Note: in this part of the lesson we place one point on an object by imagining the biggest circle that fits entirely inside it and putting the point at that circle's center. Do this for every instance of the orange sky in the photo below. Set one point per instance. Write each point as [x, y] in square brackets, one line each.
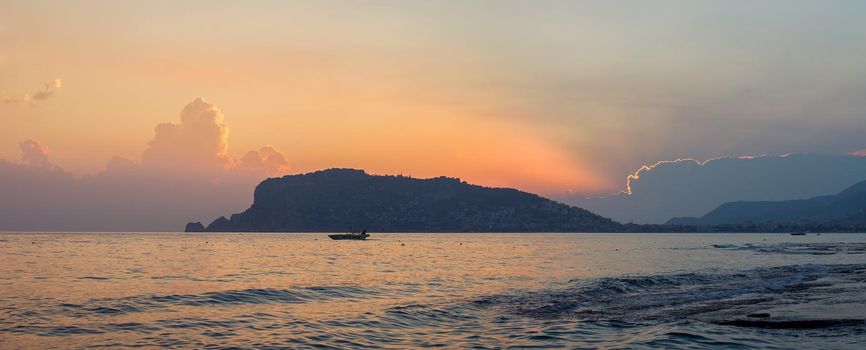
[565, 98]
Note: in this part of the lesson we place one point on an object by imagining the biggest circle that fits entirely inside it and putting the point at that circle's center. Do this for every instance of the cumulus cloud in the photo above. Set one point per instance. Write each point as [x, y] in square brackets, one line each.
[185, 174]
[198, 146]
[688, 187]
[199, 142]
[860, 153]
[34, 154]
[47, 91]
[266, 160]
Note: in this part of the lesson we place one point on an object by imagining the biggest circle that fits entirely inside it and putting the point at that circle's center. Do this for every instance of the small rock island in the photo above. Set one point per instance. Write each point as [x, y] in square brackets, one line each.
[337, 200]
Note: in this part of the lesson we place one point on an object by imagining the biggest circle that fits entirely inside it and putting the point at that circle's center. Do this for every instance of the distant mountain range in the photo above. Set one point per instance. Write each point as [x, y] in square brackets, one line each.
[338, 200]
[691, 188]
[845, 208]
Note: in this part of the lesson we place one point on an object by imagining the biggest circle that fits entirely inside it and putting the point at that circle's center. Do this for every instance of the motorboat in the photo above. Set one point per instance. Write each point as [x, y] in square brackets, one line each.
[360, 236]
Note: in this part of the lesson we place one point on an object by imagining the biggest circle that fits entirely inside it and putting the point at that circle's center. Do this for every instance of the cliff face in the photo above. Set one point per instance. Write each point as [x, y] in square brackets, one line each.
[347, 199]
[194, 227]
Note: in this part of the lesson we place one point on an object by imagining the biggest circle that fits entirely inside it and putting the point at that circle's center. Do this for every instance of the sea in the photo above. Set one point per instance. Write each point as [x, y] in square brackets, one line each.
[434, 290]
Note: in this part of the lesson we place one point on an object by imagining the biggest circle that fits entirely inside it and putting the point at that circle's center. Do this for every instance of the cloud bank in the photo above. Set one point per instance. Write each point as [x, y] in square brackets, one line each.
[29, 99]
[688, 187]
[184, 173]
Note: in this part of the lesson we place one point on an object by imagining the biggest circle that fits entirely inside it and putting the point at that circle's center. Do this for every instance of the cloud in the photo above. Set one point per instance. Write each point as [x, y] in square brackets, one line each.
[688, 187]
[860, 153]
[185, 173]
[266, 160]
[47, 91]
[198, 147]
[34, 154]
[199, 143]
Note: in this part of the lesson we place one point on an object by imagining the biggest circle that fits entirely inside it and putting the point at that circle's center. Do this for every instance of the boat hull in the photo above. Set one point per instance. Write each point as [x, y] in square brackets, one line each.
[355, 237]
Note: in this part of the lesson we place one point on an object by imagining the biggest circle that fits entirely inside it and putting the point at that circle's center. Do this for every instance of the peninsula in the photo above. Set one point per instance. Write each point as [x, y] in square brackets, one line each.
[337, 200]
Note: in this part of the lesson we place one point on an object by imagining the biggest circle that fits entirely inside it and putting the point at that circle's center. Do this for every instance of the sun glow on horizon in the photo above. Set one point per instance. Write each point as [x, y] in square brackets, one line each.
[564, 99]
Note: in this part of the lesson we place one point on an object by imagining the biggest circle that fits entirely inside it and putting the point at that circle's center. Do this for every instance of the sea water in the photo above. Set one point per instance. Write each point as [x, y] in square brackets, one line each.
[252, 290]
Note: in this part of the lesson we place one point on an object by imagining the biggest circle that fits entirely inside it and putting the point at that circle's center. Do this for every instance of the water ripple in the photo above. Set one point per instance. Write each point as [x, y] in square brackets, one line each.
[792, 294]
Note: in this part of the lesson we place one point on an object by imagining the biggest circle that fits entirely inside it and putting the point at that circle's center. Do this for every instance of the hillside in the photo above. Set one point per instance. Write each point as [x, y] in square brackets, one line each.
[846, 207]
[693, 188]
[347, 199]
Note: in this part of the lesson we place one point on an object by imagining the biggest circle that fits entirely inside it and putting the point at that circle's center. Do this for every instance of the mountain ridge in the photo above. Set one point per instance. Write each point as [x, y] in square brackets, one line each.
[692, 188]
[350, 199]
[845, 207]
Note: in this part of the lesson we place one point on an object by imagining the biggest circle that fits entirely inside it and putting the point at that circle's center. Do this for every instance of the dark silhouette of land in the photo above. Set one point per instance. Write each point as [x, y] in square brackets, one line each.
[340, 200]
[845, 209]
[348, 199]
[690, 188]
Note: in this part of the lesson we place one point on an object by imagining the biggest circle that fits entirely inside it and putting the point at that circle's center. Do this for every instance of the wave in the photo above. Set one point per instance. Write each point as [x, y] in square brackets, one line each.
[794, 324]
[725, 298]
[798, 248]
[710, 308]
[115, 306]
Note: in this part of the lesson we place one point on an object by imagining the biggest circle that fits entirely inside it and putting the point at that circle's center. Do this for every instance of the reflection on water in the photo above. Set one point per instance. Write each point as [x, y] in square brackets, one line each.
[450, 290]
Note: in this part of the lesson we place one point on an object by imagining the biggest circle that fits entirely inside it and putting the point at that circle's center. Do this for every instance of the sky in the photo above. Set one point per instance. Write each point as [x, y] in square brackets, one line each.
[562, 98]
[692, 188]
